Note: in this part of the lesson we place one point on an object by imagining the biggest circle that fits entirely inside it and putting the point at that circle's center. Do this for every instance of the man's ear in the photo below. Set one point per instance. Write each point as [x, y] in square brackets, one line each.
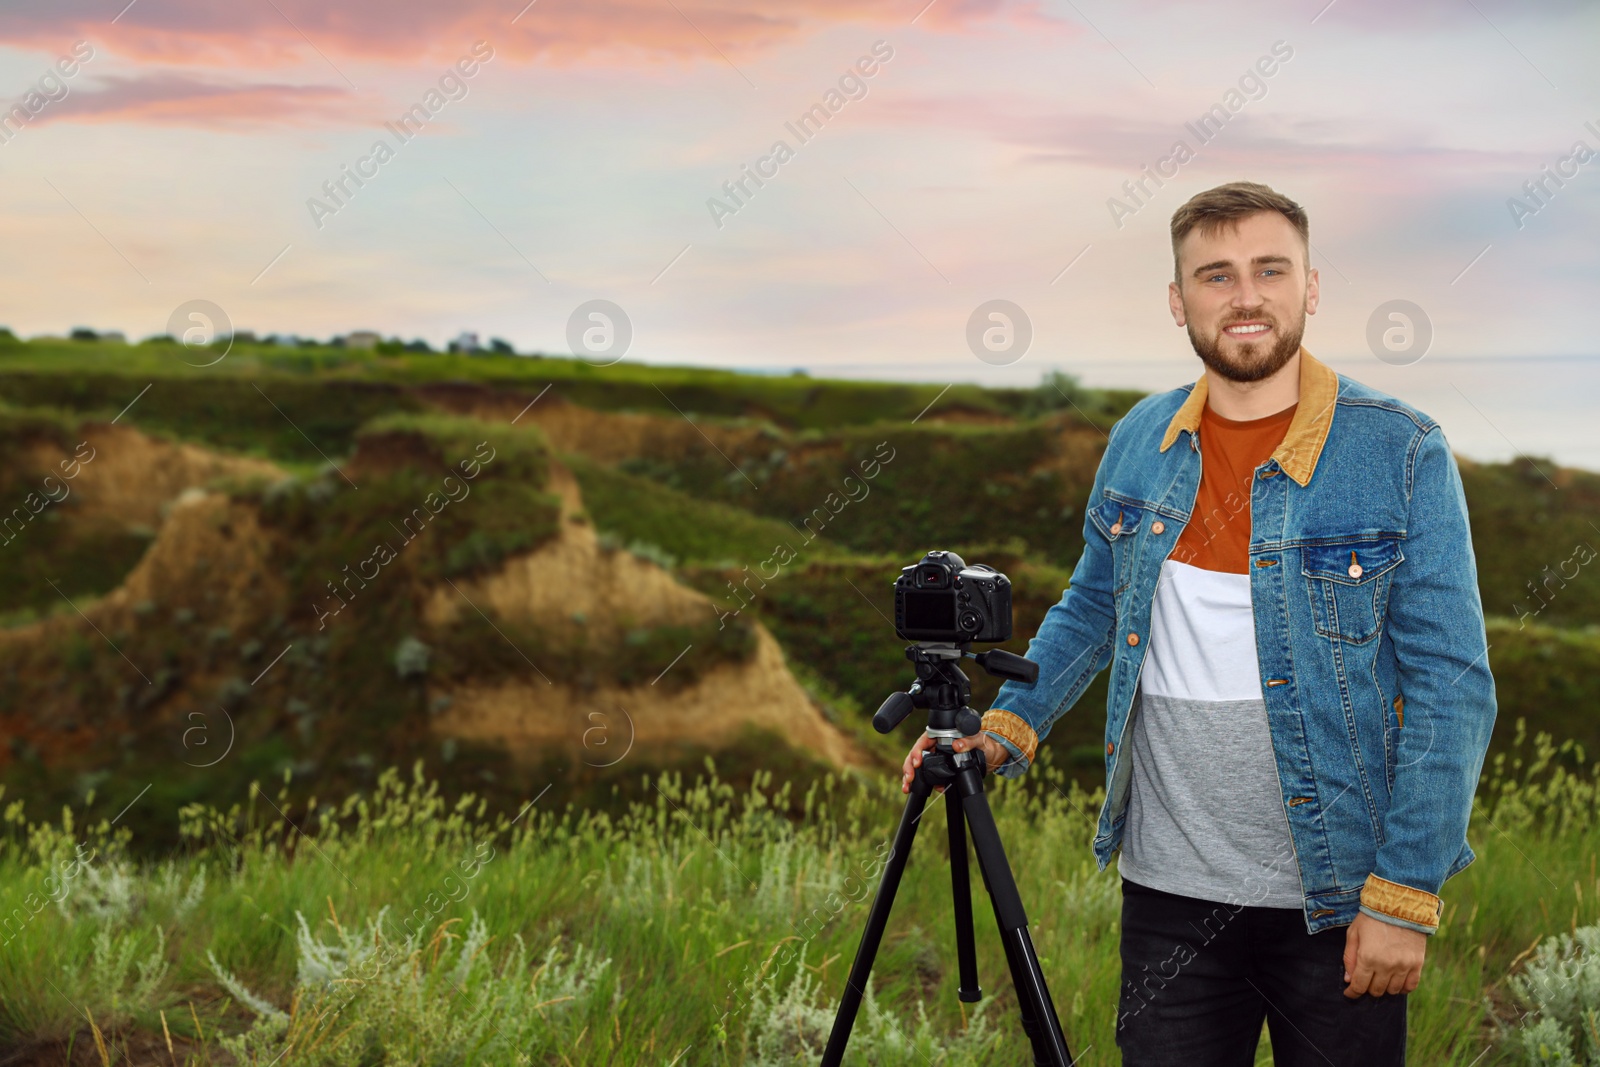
[1313, 291]
[1175, 304]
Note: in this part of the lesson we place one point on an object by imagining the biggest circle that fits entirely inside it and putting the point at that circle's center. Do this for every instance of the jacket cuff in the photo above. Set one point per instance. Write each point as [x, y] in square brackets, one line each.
[1402, 905]
[1015, 763]
[1012, 728]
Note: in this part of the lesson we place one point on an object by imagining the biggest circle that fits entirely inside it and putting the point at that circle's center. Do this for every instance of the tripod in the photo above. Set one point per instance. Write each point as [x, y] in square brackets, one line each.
[942, 688]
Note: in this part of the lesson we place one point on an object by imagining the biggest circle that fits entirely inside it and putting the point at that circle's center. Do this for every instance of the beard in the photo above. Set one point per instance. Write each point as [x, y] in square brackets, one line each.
[1254, 361]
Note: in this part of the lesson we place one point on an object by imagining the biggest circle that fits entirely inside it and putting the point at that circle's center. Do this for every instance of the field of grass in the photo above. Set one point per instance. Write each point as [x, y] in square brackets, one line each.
[703, 926]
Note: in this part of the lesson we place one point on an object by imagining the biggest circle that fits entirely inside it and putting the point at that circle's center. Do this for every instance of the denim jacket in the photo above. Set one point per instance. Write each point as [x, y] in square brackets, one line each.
[1369, 635]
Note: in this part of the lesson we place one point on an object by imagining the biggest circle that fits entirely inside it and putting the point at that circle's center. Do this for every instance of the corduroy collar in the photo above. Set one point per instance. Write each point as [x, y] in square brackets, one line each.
[1308, 430]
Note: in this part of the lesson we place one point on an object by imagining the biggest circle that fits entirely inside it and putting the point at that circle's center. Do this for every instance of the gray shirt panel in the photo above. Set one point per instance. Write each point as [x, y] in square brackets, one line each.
[1205, 810]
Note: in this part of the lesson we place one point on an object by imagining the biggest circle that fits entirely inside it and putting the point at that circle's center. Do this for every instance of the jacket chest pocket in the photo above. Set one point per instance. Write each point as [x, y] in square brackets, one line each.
[1118, 523]
[1348, 582]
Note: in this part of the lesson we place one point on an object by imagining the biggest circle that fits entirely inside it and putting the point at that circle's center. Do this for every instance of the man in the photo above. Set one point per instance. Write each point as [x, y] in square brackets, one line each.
[1278, 570]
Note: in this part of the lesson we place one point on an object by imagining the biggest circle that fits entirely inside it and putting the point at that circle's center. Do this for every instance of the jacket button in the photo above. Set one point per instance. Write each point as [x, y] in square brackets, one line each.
[1109, 747]
[1157, 527]
[1355, 570]
[1133, 639]
[1116, 528]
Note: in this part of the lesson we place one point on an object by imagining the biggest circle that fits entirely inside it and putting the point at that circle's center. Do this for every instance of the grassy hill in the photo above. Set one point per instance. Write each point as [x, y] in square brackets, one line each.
[705, 473]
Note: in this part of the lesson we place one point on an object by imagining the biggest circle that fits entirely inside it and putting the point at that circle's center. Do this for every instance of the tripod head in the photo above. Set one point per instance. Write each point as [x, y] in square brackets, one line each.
[943, 689]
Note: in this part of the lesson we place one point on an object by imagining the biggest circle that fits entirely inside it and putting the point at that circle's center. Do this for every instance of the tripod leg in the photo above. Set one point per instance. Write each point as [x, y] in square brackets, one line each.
[877, 919]
[1013, 919]
[961, 894]
[1031, 1027]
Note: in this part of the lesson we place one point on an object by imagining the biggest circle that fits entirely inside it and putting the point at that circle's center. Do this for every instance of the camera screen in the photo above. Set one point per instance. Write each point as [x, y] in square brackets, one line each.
[930, 611]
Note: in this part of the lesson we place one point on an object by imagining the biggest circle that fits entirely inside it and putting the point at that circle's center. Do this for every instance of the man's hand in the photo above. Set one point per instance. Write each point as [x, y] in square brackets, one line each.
[993, 751]
[1381, 957]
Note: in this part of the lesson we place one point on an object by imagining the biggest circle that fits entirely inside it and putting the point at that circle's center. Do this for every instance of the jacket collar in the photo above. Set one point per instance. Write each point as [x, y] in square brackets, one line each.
[1308, 429]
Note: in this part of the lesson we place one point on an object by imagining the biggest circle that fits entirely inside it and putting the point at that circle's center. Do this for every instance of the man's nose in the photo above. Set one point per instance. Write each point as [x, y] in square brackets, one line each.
[1246, 296]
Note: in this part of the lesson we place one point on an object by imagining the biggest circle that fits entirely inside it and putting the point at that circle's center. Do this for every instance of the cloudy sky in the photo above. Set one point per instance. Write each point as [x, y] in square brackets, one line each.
[585, 157]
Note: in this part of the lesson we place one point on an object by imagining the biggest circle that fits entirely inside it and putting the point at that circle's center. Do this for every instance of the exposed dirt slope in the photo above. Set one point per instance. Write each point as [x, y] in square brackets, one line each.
[609, 436]
[211, 555]
[132, 475]
[613, 589]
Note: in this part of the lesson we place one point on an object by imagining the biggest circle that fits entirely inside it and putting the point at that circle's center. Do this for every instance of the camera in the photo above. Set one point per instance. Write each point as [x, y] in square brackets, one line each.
[942, 598]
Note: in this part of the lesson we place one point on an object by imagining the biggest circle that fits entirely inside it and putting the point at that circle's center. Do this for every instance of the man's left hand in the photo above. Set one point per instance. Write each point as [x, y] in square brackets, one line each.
[1381, 957]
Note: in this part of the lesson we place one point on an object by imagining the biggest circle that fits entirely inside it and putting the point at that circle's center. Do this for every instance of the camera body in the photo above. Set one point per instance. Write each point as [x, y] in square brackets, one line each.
[942, 598]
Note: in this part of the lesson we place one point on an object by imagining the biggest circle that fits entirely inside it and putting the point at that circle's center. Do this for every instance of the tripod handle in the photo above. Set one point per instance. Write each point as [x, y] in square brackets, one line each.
[1003, 664]
[892, 712]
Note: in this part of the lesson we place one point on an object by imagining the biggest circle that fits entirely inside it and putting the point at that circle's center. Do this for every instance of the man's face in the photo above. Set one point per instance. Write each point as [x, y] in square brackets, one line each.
[1245, 295]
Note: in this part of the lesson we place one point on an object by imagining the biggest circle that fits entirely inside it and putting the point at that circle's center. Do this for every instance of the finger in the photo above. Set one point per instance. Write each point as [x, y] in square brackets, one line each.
[1360, 981]
[1397, 982]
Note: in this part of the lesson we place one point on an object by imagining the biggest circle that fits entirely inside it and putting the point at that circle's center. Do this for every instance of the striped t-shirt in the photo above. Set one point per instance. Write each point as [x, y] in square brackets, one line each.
[1205, 812]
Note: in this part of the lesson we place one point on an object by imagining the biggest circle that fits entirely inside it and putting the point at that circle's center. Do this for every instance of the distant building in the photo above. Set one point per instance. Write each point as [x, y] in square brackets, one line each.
[361, 339]
[466, 341]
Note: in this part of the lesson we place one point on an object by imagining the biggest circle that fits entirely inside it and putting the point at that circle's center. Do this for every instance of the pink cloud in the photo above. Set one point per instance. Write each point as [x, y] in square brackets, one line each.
[169, 98]
[1124, 144]
[277, 32]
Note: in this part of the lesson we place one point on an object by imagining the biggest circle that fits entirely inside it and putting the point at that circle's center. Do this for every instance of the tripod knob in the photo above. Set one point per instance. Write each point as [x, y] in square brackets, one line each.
[968, 722]
[892, 712]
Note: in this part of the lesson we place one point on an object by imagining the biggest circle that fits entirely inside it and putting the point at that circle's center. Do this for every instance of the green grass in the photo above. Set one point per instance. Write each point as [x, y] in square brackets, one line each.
[702, 917]
[793, 401]
[641, 511]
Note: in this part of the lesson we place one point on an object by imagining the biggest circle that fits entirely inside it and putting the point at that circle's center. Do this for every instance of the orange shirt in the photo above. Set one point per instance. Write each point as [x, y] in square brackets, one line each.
[1218, 535]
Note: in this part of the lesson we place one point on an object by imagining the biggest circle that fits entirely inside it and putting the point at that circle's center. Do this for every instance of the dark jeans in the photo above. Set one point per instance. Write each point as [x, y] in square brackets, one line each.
[1198, 978]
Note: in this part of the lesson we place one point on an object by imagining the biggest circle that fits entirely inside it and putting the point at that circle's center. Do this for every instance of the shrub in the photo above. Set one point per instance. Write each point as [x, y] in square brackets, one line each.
[1561, 989]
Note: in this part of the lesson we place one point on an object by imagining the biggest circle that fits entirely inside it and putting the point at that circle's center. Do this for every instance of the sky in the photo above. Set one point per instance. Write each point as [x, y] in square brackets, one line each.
[565, 151]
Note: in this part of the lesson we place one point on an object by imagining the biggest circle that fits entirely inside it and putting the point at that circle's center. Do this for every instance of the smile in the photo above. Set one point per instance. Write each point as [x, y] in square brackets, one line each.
[1246, 329]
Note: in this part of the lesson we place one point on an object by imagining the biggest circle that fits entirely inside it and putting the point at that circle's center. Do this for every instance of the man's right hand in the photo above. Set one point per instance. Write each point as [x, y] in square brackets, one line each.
[993, 751]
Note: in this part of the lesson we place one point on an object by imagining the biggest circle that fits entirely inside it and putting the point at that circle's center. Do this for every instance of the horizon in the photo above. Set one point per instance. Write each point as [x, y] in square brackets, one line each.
[1553, 424]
